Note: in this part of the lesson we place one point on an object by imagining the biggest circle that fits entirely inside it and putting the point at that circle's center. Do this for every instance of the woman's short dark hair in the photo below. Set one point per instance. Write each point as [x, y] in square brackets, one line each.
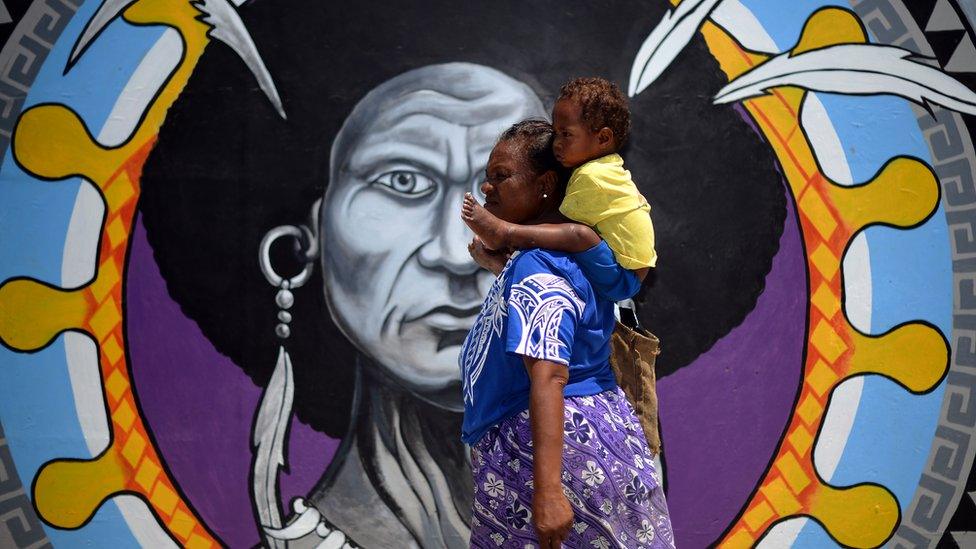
[534, 138]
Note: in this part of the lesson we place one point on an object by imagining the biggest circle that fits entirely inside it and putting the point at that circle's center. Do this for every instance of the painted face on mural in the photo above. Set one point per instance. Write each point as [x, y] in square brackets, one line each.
[398, 278]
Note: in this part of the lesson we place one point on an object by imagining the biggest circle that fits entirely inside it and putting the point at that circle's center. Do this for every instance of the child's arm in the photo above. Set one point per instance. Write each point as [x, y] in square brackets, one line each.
[499, 235]
[608, 278]
[565, 237]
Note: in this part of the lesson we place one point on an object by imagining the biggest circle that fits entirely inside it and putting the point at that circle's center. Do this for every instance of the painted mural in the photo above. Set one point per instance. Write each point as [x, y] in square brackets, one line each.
[234, 281]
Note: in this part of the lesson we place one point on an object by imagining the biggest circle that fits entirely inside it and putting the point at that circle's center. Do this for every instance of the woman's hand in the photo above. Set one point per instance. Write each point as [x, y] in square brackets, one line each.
[552, 517]
[489, 259]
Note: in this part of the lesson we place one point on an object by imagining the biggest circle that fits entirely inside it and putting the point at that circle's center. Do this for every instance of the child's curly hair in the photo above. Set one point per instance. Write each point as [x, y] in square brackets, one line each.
[602, 104]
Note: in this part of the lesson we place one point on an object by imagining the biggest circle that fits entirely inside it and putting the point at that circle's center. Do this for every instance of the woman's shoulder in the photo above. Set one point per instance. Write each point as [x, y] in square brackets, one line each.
[526, 263]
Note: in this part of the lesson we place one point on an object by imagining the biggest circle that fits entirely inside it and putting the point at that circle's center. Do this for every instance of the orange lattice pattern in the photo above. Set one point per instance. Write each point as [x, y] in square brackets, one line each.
[914, 355]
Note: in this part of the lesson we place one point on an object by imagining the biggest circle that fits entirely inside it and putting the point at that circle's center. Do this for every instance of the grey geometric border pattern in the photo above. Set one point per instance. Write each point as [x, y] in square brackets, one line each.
[950, 458]
[19, 526]
[24, 54]
[20, 60]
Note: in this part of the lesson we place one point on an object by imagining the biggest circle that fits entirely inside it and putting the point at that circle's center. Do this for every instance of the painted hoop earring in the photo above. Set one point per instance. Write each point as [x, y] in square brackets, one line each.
[270, 431]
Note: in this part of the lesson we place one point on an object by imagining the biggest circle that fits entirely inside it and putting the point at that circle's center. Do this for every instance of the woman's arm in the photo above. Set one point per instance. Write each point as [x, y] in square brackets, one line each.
[551, 513]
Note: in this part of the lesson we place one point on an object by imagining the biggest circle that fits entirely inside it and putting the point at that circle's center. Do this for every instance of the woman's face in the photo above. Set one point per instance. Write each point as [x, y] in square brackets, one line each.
[512, 191]
[398, 277]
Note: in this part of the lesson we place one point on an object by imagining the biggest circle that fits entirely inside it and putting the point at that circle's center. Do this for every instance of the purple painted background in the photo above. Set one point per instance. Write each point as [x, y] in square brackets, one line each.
[200, 407]
[722, 416]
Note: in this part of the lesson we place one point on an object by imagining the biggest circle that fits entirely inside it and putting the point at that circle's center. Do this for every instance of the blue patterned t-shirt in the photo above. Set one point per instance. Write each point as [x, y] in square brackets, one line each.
[541, 306]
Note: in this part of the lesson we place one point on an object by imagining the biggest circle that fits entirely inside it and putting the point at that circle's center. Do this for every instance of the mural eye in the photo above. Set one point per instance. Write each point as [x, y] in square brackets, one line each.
[407, 183]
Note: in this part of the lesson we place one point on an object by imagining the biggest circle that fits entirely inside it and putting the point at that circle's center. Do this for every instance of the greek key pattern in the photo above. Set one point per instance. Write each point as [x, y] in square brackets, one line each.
[20, 60]
[23, 55]
[950, 458]
[19, 526]
[889, 22]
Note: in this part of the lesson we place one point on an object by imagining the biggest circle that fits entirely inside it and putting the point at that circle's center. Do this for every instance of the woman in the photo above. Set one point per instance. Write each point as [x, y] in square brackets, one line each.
[557, 453]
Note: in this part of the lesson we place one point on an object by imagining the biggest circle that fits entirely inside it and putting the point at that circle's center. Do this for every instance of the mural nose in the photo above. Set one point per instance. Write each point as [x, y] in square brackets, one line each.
[448, 249]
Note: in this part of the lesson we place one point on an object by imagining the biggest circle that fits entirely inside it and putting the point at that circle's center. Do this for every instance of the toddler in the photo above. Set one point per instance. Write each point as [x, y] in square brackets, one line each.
[591, 123]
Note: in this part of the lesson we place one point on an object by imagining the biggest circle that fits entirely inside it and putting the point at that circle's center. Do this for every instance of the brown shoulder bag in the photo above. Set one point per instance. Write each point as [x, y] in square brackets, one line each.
[633, 353]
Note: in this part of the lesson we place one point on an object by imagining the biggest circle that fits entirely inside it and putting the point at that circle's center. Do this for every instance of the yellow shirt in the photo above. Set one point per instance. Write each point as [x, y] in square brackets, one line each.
[601, 194]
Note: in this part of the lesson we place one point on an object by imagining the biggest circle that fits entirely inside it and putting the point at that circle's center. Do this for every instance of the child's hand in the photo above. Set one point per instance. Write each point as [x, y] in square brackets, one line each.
[488, 259]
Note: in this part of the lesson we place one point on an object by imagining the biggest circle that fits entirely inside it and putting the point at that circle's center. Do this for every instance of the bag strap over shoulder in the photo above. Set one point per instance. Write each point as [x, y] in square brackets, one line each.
[628, 314]
[637, 334]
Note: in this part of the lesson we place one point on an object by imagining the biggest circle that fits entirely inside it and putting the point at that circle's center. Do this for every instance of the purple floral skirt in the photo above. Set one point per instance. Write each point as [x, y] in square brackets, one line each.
[608, 476]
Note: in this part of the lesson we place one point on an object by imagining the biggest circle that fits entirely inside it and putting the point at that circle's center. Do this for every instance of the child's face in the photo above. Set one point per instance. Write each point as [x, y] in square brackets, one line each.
[575, 143]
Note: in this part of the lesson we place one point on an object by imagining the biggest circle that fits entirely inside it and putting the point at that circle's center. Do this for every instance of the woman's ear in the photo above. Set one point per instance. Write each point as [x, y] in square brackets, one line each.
[548, 181]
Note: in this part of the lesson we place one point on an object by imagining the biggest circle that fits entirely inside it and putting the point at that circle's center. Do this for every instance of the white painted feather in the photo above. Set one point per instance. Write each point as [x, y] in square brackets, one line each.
[666, 41]
[307, 521]
[105, 14]
[226, 26]
[855, 69]
[229, 29]
[270, 427]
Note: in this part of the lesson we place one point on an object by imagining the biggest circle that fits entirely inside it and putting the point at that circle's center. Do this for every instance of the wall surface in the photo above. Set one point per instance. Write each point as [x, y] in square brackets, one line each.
[234, 281]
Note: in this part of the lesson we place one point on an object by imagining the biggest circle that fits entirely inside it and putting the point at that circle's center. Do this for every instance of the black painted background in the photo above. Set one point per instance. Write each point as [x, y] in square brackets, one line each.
[227, 169]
